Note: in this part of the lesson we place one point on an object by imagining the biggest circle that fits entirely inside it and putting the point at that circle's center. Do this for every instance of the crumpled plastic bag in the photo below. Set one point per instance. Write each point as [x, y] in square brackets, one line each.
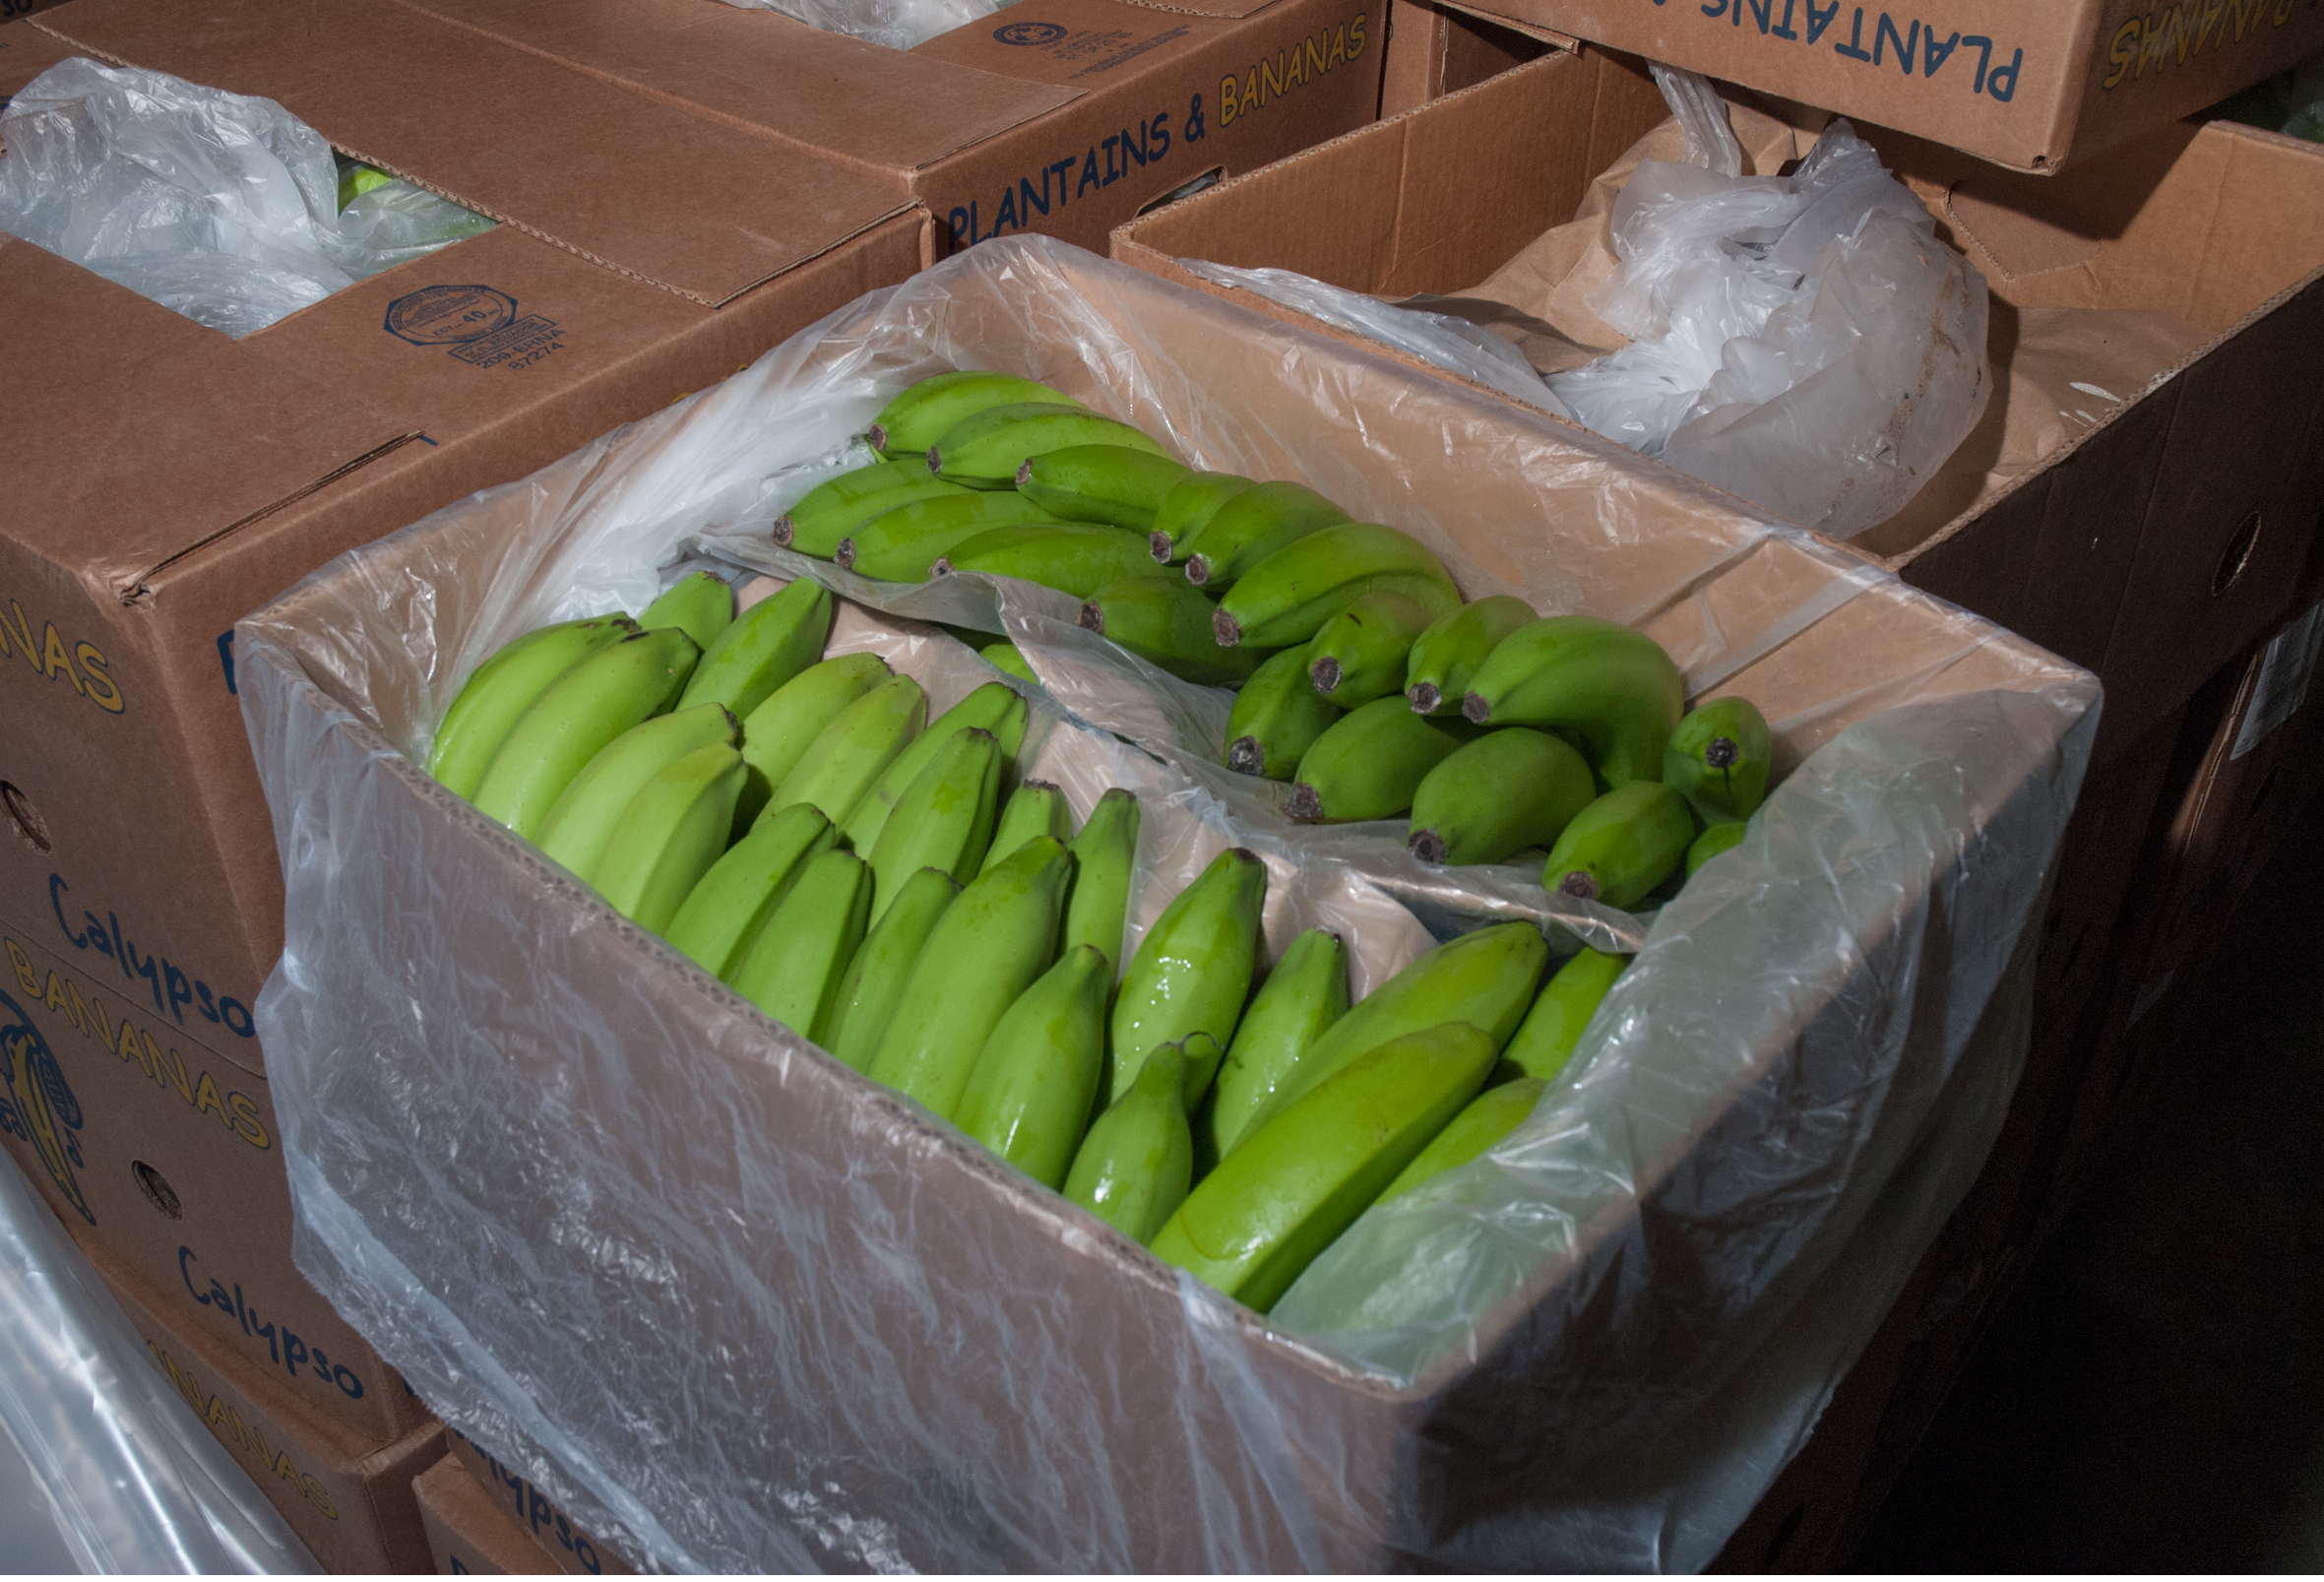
[898, 23]
[222, 207]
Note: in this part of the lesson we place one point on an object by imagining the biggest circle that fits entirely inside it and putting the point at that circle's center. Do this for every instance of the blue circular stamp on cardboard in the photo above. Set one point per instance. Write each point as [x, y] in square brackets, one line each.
[447, 315]
[1029, 33]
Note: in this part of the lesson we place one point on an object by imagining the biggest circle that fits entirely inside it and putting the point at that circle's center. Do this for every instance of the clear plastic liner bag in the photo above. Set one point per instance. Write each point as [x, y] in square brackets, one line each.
[735, 1308]
[898, 23]
[222, 207]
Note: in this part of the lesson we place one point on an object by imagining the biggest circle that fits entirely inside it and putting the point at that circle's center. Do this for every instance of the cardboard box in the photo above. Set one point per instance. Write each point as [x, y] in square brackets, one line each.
[1062, 117]
[468, 1534]
[2152, 545]
[518, 1502]
[348, 1498]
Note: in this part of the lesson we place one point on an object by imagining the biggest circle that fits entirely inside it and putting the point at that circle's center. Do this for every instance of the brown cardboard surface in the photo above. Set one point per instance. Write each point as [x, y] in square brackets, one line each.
[466, 1530]
[348, 1499]
[518, 1501]
[26, 53]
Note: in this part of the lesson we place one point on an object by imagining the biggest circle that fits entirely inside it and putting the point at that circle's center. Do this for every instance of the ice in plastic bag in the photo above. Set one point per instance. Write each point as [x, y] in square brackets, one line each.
[898, 23]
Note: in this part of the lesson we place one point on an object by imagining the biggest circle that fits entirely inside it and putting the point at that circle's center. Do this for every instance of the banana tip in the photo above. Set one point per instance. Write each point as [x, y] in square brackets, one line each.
[935, 460]
[1476, 710]
[783, 533]
[1091, 618]
[1158, 544]
[1225, 628]
[845, 554]
[1024, 472]
[1198, 570]
[1325, 674]
[939, 567]
[1427, 845]
[876, 437]
[1245, 756]
[1579, 884]
[1305, 802]
[1425, 698]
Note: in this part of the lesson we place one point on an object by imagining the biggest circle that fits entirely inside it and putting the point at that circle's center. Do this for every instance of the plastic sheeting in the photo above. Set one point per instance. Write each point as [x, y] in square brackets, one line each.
[737, 1308]
[898, 23]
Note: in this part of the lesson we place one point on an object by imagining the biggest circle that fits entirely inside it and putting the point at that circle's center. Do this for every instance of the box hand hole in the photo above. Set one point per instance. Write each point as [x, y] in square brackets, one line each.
[24, 817]
[157, 1188]
[2236, 556]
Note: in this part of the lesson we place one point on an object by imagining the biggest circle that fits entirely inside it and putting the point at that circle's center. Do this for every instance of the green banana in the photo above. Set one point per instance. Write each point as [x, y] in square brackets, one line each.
[1105, 856]
[986, 949]
[1371, 761]
[1502, 792]
[900, 546]
[1485, 977]
[1447, 654]
[1718, 757]
[620, 685]
[780, 730]
[793, 970]
[1248, 527]
[1067, 555]
[1360, 654]
[995, 706]
[1544, 1040]
[984, 450]
[1190, 503]
[1301, 1177]
[504, 687]
[841, 763]
[1712, 840]
[917, 419]
[1109, 484]
[669, 835]
[722, 915]
[1167, 622]
[1302, 997]
[1005, 658]
[1613, 685]
[830, 512]
[1489, 1116]
[1275, 718]
[1037, 807]
[699, 603]
[774, 642]
[885, 959]
[1029, 1097]
[944, 819]
[1623, 844]
[580, 823]
[1134, 1167]
[1287, 596]
[1192, 971]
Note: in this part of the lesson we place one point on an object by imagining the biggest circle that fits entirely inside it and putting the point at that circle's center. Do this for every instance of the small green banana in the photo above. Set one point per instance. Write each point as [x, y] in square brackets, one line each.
[1037, 807]
[504, 686]
[1623, 844]
[1248, 527]
[1361, 653]
[995, 706]
[1167, 622]
[581, 821]
[1371, 761]
[1275, 718]
[917, 419]
[1718, 757]
[1069, 556]
[1303, 1176]
[1104, 856]
[1544, 1040]
[1287, 596]
[780, 730]
[1302, 997]
[901, 545]
[845, 760]
[669, 835]
[1489, 1116]
[1109, 484]
[833, 510]
[722, 915]
[984, 450]
[700, 604]
[1613, 685]
[1005, 658]
[884, 960]
[622, 685]
[1447, 654]
[1192, 971]
[1134, 1167]
[944, 819]
[1502, 792]
[793, 970]
[1712, 840]
[1029, 1097]
[769, 645]
[986, 949]
[1190, 503]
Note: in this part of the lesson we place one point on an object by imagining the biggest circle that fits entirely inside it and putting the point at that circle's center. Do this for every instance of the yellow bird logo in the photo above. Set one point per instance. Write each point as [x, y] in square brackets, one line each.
[37, 1105]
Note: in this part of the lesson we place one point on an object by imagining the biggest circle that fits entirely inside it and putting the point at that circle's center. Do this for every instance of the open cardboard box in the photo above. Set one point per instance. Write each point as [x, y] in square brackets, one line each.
[2163, 533]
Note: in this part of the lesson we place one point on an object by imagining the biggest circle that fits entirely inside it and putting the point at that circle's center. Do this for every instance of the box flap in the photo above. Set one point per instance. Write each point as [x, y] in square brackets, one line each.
[1080, 44]
[615, 177]
[24, 53]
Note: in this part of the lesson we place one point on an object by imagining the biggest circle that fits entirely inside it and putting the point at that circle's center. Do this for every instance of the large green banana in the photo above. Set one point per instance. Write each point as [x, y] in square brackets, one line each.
[1718, 757]
[1287, 596]
[918, 418]
[1167, 622]
[1504, 791]
[699, 603]
[1105, 856]
[835, 508]
[1716, 838]
[995, 706]
[944, 819]
[778, 639]
[1304, 1175]
[1275, 718]
[1109, 484]
[986, 949]
[1544, 1040]
[842, 764]
[621, 684]
[1192, 971]
[1613, 685]
[722, 915]
[1360, 654]
[1005, 658]
[1623, 844]
[504, 686]
[1190, 503]
[1447, 654]
[793, 970]
[984, 450]
[1134, 1167]
[1485, 977]
[1029, 1097]
[1489, 1116]
[902, 545]
[1302, 997]
[777, 732]
[1248, 527]
[669, 835]
[1037, 807]
[884, 960]
[1069, 556]
[581, 822]
[1371, 761]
